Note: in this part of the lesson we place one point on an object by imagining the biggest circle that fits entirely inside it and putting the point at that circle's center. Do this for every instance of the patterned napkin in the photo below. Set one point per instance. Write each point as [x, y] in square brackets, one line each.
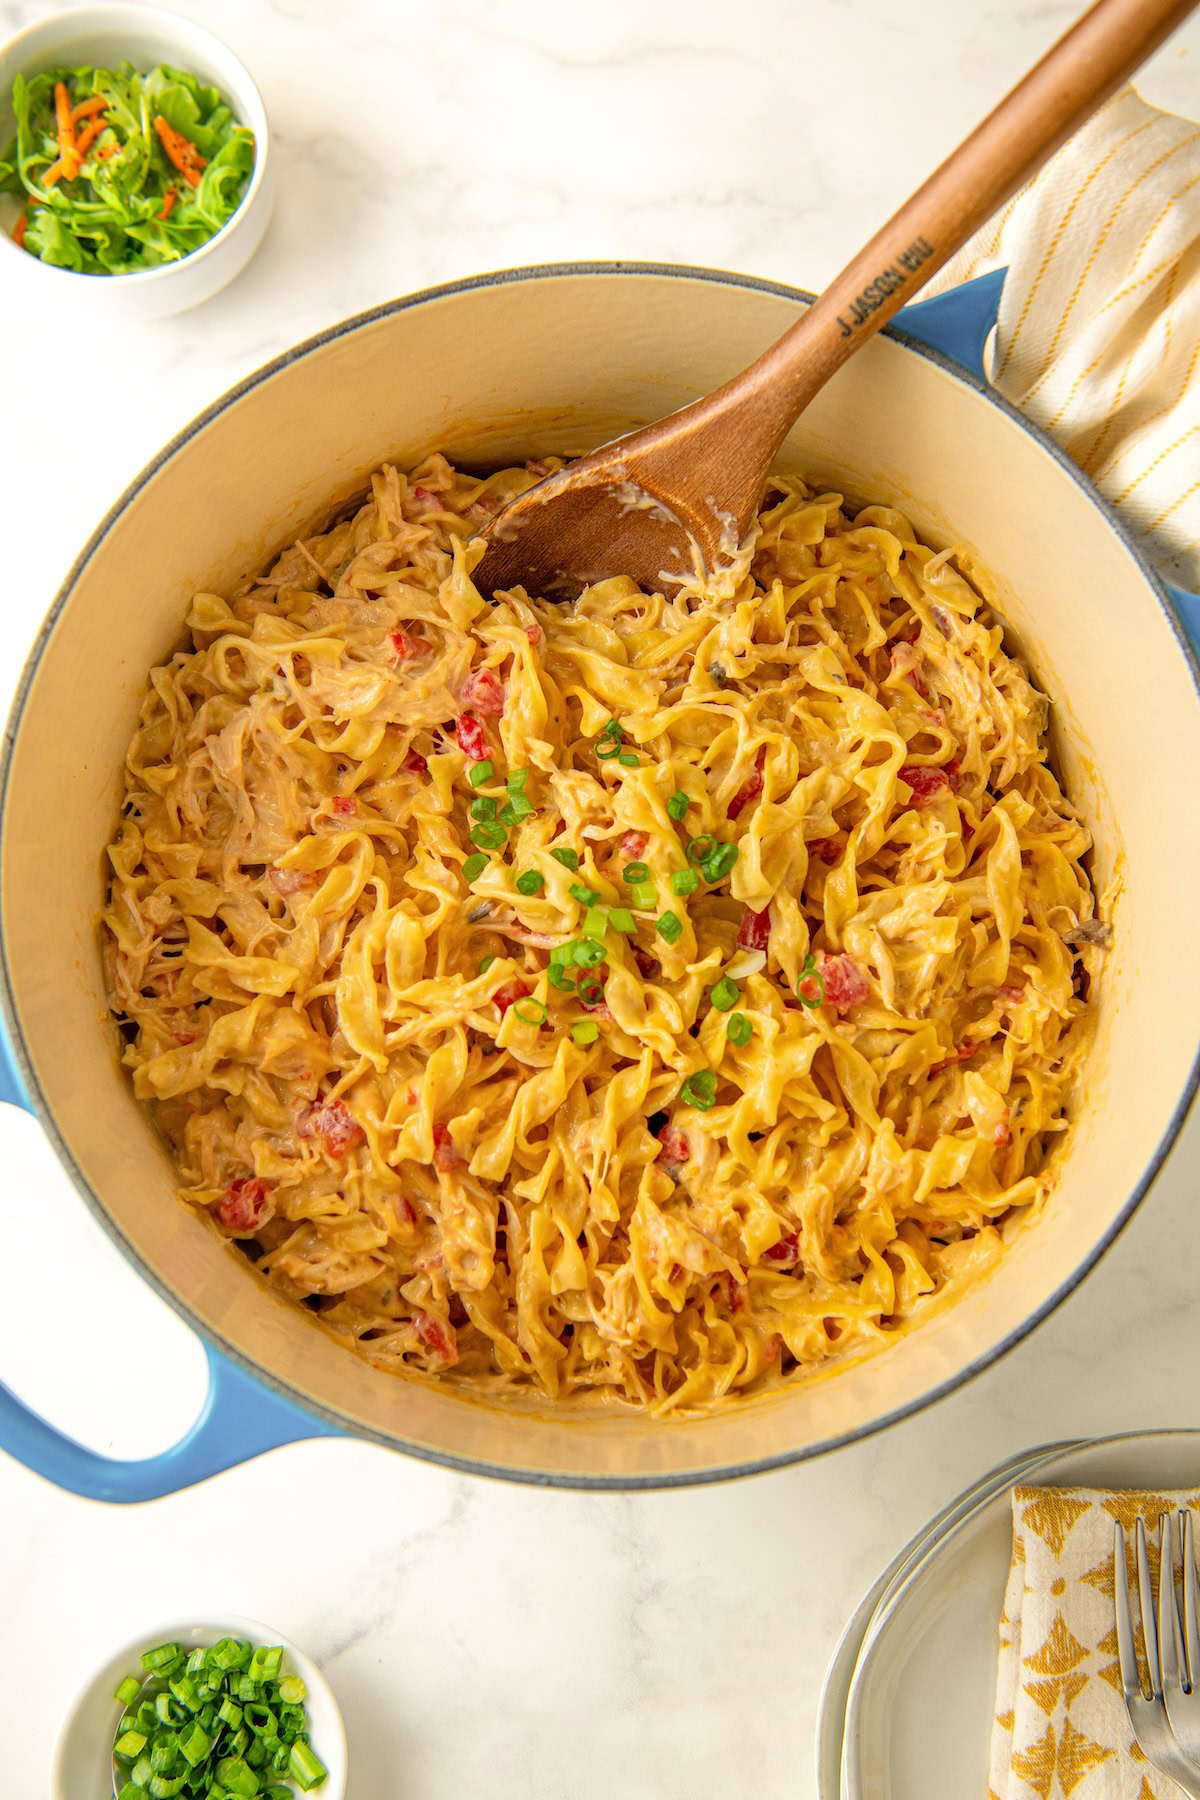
[1098, 339]
[1061, 1729]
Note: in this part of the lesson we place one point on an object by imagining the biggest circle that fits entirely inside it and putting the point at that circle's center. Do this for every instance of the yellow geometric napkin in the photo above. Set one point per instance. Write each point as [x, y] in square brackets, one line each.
[1061, 1729]
[1098, 338]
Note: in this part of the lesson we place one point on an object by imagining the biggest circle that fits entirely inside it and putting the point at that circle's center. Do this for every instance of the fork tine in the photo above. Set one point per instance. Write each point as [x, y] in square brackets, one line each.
[1170, 1643]
[1146, 1600]
[1191, 1601]
[1131, 1680]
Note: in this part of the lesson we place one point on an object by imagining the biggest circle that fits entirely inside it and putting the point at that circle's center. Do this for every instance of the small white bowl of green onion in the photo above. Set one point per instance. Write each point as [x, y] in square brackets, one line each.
[220, 1709]
[136, 176]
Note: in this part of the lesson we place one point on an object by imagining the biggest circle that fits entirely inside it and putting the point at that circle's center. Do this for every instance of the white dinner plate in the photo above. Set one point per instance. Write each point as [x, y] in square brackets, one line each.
[835, 1694]
[934, 1633]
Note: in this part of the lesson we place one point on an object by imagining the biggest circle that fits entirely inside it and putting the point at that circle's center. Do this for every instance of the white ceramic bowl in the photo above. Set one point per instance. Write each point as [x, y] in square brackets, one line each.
[142, 35]
[83, 1753]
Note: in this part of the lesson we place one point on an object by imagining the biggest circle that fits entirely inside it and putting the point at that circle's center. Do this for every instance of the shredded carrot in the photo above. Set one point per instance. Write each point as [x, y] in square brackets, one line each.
[88, 136]
[180, 151]
[67, 153]
[54, 173]
[18, 235]
[97, 104]
[105, 151]
[169, 199]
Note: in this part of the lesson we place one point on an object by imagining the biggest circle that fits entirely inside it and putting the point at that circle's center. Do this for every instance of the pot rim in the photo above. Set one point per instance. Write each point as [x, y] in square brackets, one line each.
[40, 1107]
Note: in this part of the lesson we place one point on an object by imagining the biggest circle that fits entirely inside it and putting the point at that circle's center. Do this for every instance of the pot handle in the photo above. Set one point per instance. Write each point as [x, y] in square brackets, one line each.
[959, 323]
[240, 1418]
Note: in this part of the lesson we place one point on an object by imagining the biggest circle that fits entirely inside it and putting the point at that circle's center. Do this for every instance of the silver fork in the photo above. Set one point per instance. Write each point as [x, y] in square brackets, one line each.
[1148, 1716]
[1180, 1653]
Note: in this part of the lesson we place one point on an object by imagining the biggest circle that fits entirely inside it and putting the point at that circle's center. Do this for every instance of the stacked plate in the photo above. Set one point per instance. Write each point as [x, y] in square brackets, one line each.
[909, 1698]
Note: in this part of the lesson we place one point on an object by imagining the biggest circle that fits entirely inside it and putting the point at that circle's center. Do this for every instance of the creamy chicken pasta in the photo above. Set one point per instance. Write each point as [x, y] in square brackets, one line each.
[638, 997]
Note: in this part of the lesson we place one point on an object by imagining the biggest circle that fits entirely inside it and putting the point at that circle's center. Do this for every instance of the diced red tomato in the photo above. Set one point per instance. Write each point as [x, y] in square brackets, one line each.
[290, 881]
[674, 1147]
[245, 1205]
[534, 634]
[509, 994]
[405, 648]
[445, 1151]
[964, 1053]
[420, 493]
[437, 1338]
[749, 790]
[332, 1122]
[484, 690]
[828, 850]
[471, 739]
[345, 805]
[415, 764]
[405, 1211]
[633, 845]
[786, 1252]
[733, 1292]
[754, 933]
[926, 784]
[845, 984]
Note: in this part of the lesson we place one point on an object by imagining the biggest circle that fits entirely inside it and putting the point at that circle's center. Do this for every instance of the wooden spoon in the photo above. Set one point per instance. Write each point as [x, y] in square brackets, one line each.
[648, 503]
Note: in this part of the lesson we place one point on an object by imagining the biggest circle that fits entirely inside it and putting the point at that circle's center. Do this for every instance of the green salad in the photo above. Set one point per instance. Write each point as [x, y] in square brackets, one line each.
[119, 171]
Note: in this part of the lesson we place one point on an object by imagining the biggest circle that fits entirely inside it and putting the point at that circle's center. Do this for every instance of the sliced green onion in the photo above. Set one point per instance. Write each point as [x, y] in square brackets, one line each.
[644, 895]
[699, 1090]
[488, 837]
[684, 881]
[560, 977]
[611, 730]
[160, 1658]
[669, 926]
[531, 1012]
[128, 1691]
[568, 858]
[595, 922]
[291, 1688]
[606, 752]
[485, 963]
[305, 1766]
[559, 955]
[591, 991]
[233, 1653]
[530, 881]
[629, 759]
[237, 1777]
[677, 805]
[481, 772]
[585, 1031]
[809, 975]
[586, 896]
[637, 871]
[698, 848]
[587, 953]
[474, 866]
[195, 1743]
[266, 1662]
[622, 920]
[717, 864]
[483, 807]
[723, 994]
[516, 809]
[739, 1030]
[129, 1745]
[516, 780]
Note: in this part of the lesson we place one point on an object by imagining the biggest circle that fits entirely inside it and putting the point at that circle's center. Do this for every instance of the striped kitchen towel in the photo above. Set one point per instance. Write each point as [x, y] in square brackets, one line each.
[1098, 339]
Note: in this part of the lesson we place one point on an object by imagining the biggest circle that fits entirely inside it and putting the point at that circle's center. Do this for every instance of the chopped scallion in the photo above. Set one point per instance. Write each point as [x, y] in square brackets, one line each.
[128, 1691]
[669, 926]
[723, 994]
[606, 752]
[684, 881]
[629, 759]
[568, 858]
[485, 963]
[595, 922]
[516, 809]
[637, 871]
[644, 895]
[585, 1031]
[716, 865]
[483, 807]
[480, 773]
[488, 837]
[531, 1012]
[698, 848]
[621, 919]
[699, 1090]
[474, 866]
[739, 1030]
[516, 780]
[530, 881]
[591, 991]
[677, 805]
[586, 896]
[587, 953]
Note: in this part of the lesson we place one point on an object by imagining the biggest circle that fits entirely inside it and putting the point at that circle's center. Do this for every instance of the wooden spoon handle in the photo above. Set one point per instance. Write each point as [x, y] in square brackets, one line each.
[1080, 72]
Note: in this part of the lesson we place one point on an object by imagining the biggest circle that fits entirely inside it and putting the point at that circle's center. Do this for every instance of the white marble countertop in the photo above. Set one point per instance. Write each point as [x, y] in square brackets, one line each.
[487, 1639]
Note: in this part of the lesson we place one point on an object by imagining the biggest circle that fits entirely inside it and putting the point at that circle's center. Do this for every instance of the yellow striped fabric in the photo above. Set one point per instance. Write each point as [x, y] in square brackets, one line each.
[1098, 338]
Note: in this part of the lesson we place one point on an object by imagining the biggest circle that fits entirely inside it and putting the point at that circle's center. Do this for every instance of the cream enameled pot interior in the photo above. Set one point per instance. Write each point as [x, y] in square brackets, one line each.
[560, 361]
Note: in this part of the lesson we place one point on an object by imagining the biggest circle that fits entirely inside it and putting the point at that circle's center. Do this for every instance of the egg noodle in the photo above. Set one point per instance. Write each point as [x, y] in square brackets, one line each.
[639, 997]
